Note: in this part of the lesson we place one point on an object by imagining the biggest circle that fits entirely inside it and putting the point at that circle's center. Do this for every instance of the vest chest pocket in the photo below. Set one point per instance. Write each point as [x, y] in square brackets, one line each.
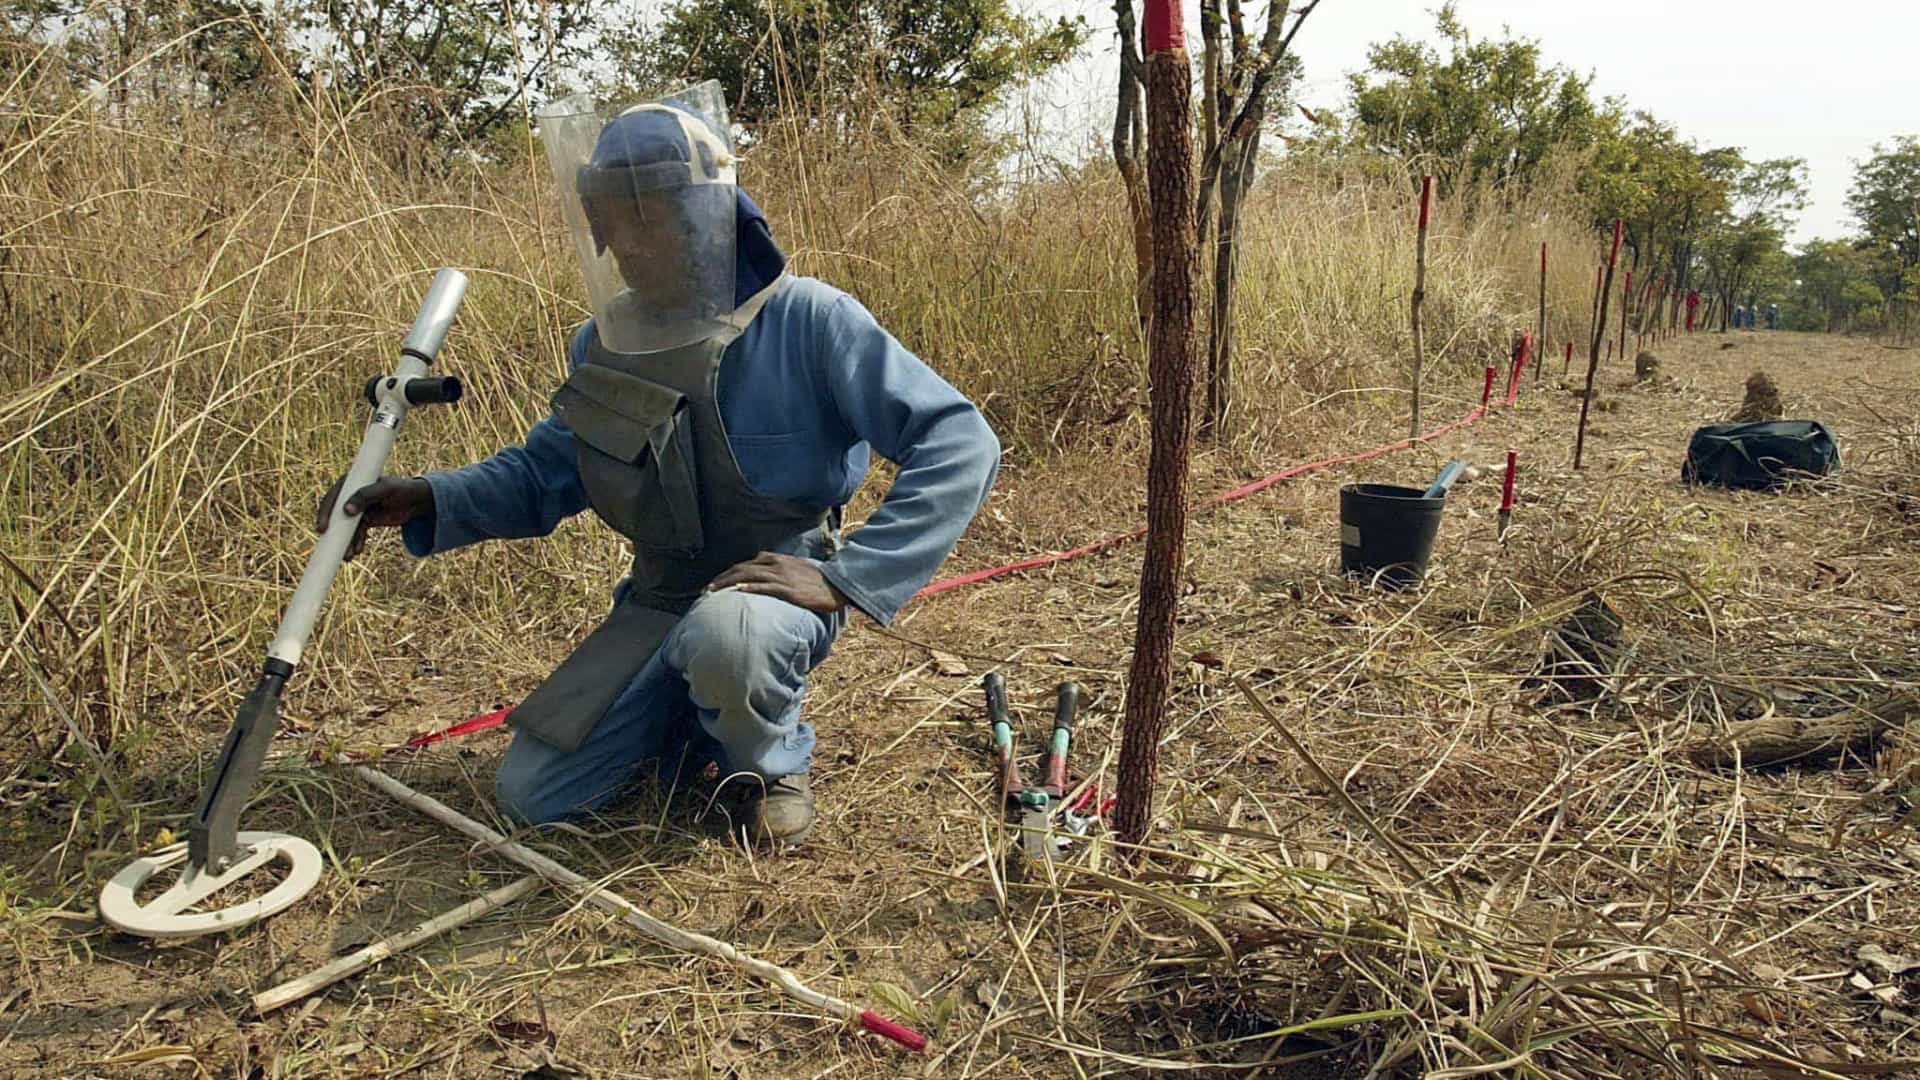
[636, 456]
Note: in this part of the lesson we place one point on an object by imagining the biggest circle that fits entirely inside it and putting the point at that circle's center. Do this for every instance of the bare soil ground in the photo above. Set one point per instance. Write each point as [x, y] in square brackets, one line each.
[1549, 888]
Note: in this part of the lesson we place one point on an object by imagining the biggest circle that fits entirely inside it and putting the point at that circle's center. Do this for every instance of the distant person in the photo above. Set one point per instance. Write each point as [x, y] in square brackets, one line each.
[1773, 316]
[1693, 308]
[1740, 317]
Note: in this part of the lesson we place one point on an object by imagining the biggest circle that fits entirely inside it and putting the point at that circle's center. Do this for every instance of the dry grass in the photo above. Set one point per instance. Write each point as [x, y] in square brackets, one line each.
[1497, 885]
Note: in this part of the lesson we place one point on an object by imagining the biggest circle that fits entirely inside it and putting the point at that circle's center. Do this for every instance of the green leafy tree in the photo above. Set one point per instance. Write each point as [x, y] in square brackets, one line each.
[444, 71]
[1745, 246]
[1666, 190]
[204, 51]
[1885, 200]
[1487, 111]
[451, 72]
[929, 63]
[1836, 290]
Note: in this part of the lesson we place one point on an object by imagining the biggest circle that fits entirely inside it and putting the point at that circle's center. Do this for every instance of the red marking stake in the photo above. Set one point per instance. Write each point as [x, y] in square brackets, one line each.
[1567, 364]
[1522, 353]
[1486, 392]
[899, 1033]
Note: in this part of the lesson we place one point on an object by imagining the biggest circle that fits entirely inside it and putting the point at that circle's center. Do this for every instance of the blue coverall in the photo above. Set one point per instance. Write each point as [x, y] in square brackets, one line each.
[811, 387]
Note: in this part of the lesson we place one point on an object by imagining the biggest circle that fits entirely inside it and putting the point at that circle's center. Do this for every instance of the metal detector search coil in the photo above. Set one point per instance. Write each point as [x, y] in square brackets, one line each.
[216, 854]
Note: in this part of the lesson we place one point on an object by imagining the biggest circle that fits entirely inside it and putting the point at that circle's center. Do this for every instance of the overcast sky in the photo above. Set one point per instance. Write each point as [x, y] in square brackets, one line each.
[1822, 80]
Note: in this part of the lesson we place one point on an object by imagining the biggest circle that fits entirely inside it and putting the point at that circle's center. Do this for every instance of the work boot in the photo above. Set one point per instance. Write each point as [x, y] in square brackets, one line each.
[776, 813]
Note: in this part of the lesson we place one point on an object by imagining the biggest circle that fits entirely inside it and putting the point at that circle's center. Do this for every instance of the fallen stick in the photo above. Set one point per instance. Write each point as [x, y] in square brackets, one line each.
[633, 915]
[354, 963]
[1776, 740]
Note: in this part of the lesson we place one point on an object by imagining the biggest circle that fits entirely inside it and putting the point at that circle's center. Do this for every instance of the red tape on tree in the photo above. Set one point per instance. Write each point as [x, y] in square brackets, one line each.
[1164, 32]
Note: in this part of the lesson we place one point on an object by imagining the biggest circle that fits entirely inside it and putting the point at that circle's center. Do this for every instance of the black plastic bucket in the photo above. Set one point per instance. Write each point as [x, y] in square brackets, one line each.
[1387, 532]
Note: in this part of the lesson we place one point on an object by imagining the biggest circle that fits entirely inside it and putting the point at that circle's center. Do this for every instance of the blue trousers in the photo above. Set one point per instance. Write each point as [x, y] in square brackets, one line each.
[725, 686]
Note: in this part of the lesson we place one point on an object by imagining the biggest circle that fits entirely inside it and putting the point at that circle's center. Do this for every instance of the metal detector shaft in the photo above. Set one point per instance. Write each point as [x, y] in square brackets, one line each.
[416, 356]
[212, 839]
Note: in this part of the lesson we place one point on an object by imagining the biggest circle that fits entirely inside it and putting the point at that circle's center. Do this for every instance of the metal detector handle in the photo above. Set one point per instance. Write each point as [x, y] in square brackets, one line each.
[435, 317]
[1000, 719]
[1444, 482]
[419, 350]
[1066, 702]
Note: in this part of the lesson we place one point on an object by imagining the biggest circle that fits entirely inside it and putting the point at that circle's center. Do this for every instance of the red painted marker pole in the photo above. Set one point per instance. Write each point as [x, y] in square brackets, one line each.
[1506, 496]
[1522, 352]
[1593, 317]
[1567, 364]
[1486, 392]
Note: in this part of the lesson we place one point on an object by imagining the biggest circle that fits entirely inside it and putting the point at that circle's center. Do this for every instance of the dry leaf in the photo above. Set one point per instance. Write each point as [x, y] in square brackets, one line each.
[1880, 960]
[948, 664]
[1793, 869]
[1763, 1009]
[1209, 659]
[1886, 995]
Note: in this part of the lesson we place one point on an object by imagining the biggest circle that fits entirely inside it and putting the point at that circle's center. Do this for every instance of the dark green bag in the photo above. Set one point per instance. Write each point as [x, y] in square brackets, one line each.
[1759, 456]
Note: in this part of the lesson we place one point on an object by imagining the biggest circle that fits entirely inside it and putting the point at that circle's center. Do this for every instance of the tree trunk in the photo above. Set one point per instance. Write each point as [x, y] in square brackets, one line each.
[1626, 302]
[1141, 214]
[1236, 178]
[1593, 355]
[1170, 177]
[1129, 138]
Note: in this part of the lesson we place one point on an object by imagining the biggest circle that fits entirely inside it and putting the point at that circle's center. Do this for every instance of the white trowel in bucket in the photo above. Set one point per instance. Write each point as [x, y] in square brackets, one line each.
[217, 855]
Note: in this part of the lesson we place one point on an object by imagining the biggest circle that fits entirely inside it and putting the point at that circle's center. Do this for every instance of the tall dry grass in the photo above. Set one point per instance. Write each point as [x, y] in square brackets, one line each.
[191, 299]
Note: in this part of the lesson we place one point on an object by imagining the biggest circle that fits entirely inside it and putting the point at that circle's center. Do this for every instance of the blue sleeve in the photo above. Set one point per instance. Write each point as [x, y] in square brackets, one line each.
[521, 491]
[946, 453]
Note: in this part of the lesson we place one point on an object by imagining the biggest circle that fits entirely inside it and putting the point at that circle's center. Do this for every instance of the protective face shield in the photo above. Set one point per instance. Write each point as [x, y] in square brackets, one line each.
[649, 196]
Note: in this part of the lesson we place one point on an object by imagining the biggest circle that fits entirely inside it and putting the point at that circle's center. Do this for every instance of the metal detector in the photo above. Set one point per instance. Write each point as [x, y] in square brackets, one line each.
[216, 854]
